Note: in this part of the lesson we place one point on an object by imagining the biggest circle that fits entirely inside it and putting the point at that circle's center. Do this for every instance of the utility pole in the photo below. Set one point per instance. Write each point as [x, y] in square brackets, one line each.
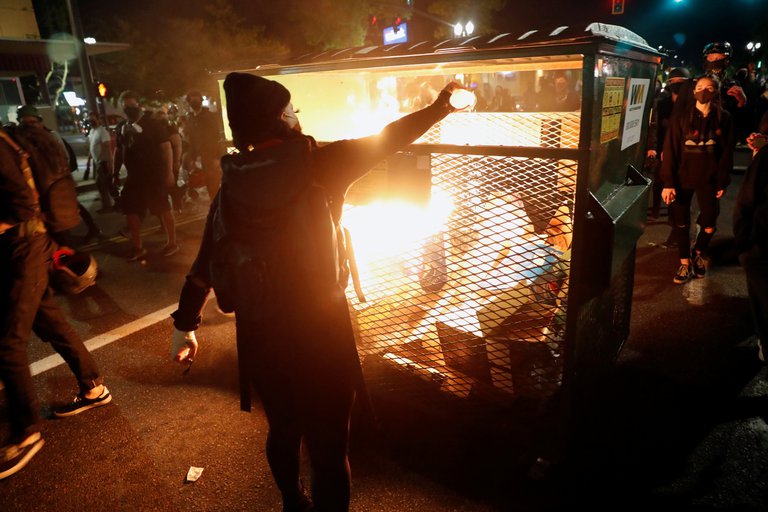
[83, 61]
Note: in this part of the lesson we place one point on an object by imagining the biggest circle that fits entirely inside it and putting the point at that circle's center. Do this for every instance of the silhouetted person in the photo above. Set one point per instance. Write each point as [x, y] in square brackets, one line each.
[204, 150]
[272, 250]
[28, 115]
[144, 147]
[750, 227]
[26, 301]
[660, 118]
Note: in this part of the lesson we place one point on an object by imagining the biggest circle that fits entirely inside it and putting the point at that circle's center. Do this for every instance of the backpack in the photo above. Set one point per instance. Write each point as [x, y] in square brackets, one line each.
[275, 239]
[53, 179]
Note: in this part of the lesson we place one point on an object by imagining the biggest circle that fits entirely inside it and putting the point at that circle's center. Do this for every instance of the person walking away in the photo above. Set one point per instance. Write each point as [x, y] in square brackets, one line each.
[204, 149]
[698, 157]
[100, 149]
[750, 228]
[279, 210]
[144, 147]
[31, 164]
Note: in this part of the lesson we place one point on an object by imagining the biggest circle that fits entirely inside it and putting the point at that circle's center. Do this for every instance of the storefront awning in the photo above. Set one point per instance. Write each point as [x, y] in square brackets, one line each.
[55, 48]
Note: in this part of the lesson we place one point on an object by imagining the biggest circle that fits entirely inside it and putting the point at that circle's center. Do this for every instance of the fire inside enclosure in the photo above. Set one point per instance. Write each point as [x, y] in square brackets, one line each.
[493, 258]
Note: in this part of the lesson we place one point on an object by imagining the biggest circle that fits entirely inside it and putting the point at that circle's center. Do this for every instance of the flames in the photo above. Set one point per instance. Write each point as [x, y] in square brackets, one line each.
[389, 233]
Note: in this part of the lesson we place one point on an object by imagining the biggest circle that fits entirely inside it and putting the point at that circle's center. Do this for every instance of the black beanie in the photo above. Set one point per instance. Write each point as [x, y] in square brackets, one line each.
[254, 105]
[679, 73]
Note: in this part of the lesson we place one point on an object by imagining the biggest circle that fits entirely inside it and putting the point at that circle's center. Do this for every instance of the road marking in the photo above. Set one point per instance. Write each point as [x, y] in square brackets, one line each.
[99, 341]
[144, 232]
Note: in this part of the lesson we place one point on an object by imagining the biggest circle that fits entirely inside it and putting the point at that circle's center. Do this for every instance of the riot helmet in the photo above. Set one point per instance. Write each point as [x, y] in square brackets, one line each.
[73, 271]
[717, 57]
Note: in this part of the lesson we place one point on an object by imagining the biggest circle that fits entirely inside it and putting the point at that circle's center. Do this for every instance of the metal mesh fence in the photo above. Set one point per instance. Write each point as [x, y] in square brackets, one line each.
[528, 129]
[474, 306]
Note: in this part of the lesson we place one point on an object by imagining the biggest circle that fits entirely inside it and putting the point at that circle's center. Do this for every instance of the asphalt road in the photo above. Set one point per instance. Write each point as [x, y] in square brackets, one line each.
[680, 423]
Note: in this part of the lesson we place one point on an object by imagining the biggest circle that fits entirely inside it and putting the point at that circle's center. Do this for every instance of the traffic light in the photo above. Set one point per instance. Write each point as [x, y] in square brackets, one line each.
[101, 87]
[617, 6]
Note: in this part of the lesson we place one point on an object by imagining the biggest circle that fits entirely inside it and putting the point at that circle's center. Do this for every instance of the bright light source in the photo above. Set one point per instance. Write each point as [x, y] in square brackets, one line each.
[73, 100]
[89, 40]
[458, 29]
[470, 27]
[750, 45]
[757, 46]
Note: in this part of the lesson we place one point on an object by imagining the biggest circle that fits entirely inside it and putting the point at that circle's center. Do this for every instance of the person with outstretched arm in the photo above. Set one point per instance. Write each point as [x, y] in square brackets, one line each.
[272, 249]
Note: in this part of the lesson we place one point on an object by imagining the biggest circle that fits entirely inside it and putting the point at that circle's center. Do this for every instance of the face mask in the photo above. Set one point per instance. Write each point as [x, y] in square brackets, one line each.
[290, 118]
[704, 96]
[133, 113]
[675, 87]
[716, 66]
[196, 105]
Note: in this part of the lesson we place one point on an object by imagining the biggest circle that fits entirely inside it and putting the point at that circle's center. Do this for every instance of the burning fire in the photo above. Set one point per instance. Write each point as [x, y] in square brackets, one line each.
[386, 233]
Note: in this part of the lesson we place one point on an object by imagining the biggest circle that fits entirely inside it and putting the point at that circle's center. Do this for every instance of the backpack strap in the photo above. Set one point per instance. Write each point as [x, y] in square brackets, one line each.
[35, 224]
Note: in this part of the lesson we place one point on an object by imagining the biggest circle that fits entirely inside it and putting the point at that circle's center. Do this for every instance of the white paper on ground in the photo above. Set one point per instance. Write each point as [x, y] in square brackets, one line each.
[194, 473]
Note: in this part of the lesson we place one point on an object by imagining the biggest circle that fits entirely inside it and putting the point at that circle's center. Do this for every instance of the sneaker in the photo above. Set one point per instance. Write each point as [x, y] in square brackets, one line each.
[138, 254]
[81, 403]
[683, 274]
[699, 267]
[170, 250]
[14, 457]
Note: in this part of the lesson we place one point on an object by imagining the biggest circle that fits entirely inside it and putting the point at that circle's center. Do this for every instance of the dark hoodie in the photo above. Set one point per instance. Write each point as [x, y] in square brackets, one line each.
[698, 150]
[750, 211]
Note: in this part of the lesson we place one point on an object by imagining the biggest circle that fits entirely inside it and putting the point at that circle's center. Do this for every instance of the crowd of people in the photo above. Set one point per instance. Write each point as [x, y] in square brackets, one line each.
[284, 305]
[304, 366]
[38, 210]
[696, 124]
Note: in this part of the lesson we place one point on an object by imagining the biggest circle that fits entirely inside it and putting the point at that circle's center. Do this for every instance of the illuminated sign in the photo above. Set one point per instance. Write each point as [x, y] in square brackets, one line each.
[396, 34]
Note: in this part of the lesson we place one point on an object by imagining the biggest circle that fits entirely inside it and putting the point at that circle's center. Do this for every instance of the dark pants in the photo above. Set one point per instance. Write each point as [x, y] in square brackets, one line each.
[104, 184]
[755, 266]
[680, 216]
[27, 304]
[212, 175]
[305, 379]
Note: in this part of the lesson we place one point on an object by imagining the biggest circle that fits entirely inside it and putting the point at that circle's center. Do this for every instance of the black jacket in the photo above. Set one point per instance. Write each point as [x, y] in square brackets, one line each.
[17, 203]
[750, 211]
[698, 150]
[334, 167]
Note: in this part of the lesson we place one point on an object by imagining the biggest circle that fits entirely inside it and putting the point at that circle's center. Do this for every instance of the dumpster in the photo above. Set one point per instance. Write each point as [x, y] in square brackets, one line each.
[493, 259]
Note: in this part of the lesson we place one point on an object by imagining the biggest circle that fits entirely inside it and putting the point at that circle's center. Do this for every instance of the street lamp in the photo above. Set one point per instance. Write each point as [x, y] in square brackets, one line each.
[460, 30]
[753, 46]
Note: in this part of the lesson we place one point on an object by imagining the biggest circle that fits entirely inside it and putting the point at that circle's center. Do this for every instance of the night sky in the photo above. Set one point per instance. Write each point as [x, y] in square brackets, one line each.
[680, 26]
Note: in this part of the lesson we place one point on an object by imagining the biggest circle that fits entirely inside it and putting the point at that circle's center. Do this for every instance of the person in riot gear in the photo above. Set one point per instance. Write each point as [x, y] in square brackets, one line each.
[271, 249]
[717, 58]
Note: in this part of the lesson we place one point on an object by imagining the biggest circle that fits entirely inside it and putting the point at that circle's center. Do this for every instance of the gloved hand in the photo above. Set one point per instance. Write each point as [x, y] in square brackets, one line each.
[183, 346]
